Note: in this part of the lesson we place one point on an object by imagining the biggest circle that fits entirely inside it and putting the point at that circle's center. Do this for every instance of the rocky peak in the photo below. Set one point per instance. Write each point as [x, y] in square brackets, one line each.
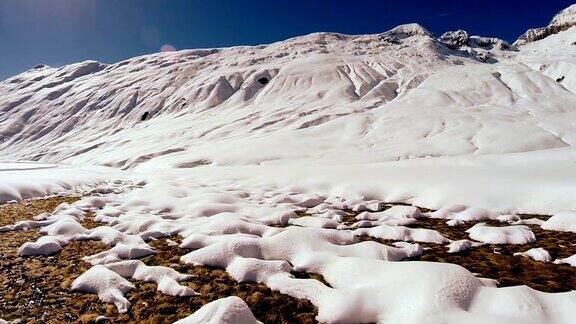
[562, 21]
[478, 47]
[408, 30]
[460, 38]
[566, 16]
[455, 39]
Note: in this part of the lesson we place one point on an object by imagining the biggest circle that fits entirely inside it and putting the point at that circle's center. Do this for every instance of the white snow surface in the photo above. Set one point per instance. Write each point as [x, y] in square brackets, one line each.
[336, 114]
[403, 233]
[109, 286]
[515, 234]
[565, 222]
[571, 260]
[229, 310]
[45, 245]
[460, 246]
[238, 139]
[396, 215]
[538, 254]
[25, 180]
[107, 281]
[166, 278]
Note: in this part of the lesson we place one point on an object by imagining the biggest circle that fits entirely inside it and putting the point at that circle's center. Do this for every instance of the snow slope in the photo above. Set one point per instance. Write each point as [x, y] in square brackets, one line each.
[563, 20]
[324, 99]
[397, 95]
[20, 181]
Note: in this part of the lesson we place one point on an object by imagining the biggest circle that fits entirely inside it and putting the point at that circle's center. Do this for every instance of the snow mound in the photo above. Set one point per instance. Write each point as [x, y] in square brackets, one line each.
[565, 222]
[516, 234]
[229, 310]
[571, 260]
[447, 212]
[458, 214]
[460, 246]
[166, 278]
[109, 286]
[529, 221]
[119, 252]
[396, 215]
[108, 281]
[45, 245]
[310, 221]
[538, 254]
[403, 233]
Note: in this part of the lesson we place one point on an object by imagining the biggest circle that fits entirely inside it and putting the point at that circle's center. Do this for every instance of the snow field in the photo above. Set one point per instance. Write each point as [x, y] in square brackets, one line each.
[196, 147]
[231, 229]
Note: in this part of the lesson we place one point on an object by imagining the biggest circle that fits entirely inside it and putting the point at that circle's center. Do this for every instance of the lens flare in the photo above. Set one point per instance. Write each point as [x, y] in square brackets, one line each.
[167, 48]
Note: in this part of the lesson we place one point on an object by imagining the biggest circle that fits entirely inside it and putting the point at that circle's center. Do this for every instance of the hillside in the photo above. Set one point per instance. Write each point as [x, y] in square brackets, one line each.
[300, 173]
[396, 95]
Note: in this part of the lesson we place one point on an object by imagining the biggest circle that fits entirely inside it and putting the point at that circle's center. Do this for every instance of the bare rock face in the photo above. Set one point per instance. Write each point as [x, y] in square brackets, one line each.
[475, 46]
[562, 21]
[455, 39]
[490, 43]
[458, 39]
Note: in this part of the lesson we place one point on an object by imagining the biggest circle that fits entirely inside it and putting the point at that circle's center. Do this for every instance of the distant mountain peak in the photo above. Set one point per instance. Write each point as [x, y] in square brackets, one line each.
[408, 30]
[460, 38]
[562, 21]
[476, 46]
[566, 16]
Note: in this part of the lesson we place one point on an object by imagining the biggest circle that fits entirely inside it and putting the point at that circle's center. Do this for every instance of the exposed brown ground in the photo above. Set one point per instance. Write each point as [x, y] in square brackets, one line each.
[496, 261]
[37, 289]
[267, 305]
[27, 209]
[503, 266]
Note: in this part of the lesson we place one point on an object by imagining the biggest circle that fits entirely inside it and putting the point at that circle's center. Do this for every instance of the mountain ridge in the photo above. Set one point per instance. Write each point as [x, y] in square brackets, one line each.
[399, 94]
[561, 21]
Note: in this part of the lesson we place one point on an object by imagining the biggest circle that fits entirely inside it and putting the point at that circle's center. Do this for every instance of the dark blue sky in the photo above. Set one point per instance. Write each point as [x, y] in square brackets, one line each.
[58, 32]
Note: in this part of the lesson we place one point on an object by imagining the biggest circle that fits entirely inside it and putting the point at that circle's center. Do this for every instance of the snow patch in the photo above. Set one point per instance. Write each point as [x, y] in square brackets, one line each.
[565, 222]
[229, 310]
[109, 286]
[516, 234]
[538, 254]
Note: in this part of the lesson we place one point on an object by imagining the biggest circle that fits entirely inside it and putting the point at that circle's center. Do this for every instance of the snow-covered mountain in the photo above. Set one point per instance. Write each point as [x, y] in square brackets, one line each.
[334, 102]
[563, 20]
[395, 95]
[227, 148]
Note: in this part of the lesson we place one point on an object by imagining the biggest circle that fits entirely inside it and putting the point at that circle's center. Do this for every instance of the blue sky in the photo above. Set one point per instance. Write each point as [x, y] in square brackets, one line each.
[58, 32]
